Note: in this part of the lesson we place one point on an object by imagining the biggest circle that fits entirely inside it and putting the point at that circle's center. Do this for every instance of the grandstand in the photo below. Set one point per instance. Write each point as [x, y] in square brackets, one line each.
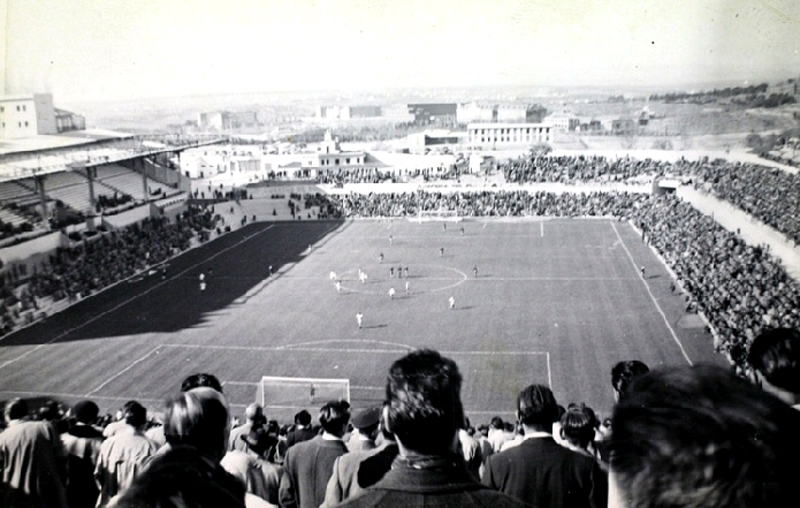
[558, 300]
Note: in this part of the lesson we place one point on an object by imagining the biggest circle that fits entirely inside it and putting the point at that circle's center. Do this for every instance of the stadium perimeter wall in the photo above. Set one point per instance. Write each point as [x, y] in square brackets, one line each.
[23, 251]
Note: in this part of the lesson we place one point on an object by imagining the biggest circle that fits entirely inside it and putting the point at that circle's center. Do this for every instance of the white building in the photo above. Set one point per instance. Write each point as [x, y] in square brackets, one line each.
[487, 136]
[474, 112]
[26, 116]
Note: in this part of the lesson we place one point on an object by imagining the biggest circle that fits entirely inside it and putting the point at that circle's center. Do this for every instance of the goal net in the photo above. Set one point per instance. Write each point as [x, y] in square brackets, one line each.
[437, 215]
[274, 391]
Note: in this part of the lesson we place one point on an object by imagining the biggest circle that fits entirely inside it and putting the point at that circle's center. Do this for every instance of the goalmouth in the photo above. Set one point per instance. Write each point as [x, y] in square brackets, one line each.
[278, 391]
[437, 216]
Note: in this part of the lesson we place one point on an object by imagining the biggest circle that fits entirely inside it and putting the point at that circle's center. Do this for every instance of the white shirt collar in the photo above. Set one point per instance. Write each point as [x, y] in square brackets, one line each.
[537, 434]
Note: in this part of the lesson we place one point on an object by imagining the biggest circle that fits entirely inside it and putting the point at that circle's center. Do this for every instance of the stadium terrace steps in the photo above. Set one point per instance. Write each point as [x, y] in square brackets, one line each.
[13, 191]
[110, 171]
[9, 217]
[74, 196]
[131, 183]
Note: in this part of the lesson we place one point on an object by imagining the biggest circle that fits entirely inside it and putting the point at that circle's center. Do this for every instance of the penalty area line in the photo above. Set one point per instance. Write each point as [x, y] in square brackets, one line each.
[123, 371]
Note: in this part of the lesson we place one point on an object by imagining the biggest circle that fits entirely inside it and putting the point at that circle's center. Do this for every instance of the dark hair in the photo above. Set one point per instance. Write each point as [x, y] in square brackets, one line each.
[200, 380]
[134, 414]
[16, 409]
[49, 411]
[424, 396]
[577, 425]
[303, 418]
[85, 411]
[334, 415]
[198, 418]
[537, 407]
[776, 355]
[624, 372]
[183, 477]
[497, 423]
[699, 436]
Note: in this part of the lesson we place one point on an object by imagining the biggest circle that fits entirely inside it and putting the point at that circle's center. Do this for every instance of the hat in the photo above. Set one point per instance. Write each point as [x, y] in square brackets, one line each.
[85, 411]
[367, 418]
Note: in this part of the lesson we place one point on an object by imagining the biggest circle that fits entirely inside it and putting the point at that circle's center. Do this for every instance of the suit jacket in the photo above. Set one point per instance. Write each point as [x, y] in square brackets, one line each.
[82, 446]
[306, 471]
[235, 441]
[444, 484]
[542, 473]
[358, 445]
[31, 460]
[355, 471]
[300, 435]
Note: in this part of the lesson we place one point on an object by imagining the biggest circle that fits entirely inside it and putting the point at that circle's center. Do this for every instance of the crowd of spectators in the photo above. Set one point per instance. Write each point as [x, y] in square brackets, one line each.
[680, 437]
[771, 195]
[741, 289]
[83, 269]
[361, 175]
[500, 203]
[574, 169]
[768, 194]
[340, 177]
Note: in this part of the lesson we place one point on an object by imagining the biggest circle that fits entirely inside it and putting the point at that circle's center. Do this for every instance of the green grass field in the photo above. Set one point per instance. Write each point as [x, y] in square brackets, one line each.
[555, 302]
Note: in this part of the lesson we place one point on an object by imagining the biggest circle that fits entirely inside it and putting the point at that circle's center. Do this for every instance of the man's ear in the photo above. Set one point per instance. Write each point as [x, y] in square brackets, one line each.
[385, 418]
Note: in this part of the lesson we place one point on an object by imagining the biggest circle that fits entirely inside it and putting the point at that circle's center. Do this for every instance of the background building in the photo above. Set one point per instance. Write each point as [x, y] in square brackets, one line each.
[25, 116]
[347, 112]
[227, 120]
[473, 113]
[434, 113]
[489, 136]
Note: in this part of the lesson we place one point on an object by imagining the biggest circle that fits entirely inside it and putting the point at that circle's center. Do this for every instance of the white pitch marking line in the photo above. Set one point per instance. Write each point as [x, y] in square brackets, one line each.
[549, 372]
[652, 297]
[541, 229]
[123, 371]
[129, 300]
[284, 349]
[289, 348]
[339, 341]
[78, 396]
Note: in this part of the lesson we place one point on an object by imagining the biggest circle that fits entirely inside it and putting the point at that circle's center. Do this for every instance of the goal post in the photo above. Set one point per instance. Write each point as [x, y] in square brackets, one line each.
[278, 391]
[437, 216]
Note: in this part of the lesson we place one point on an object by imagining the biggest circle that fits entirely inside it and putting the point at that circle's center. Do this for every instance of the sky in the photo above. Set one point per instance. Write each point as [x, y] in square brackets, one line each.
[85, 50]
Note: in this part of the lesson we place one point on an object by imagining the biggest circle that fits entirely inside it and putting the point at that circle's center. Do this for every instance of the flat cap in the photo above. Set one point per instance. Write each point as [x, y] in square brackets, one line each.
[367, 418]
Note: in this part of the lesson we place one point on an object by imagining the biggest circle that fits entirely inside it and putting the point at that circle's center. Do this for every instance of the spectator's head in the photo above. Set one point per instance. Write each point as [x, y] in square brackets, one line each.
[367, 421]
[774, 357]
[258, 441]
[333, 417]
[303, 418]
[199, 418]
[201, 380]
[183, 477]
[699, 436]
[577, 426]
[624, 372]
[134, 414]
[424, 402]
[254, 413]
[50, 411]
[537, 408]
[16, 409]
[497, 423]
[85, 411]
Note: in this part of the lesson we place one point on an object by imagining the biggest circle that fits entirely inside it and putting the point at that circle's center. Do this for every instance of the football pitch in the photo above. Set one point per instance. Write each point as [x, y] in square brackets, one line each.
[556, 302]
